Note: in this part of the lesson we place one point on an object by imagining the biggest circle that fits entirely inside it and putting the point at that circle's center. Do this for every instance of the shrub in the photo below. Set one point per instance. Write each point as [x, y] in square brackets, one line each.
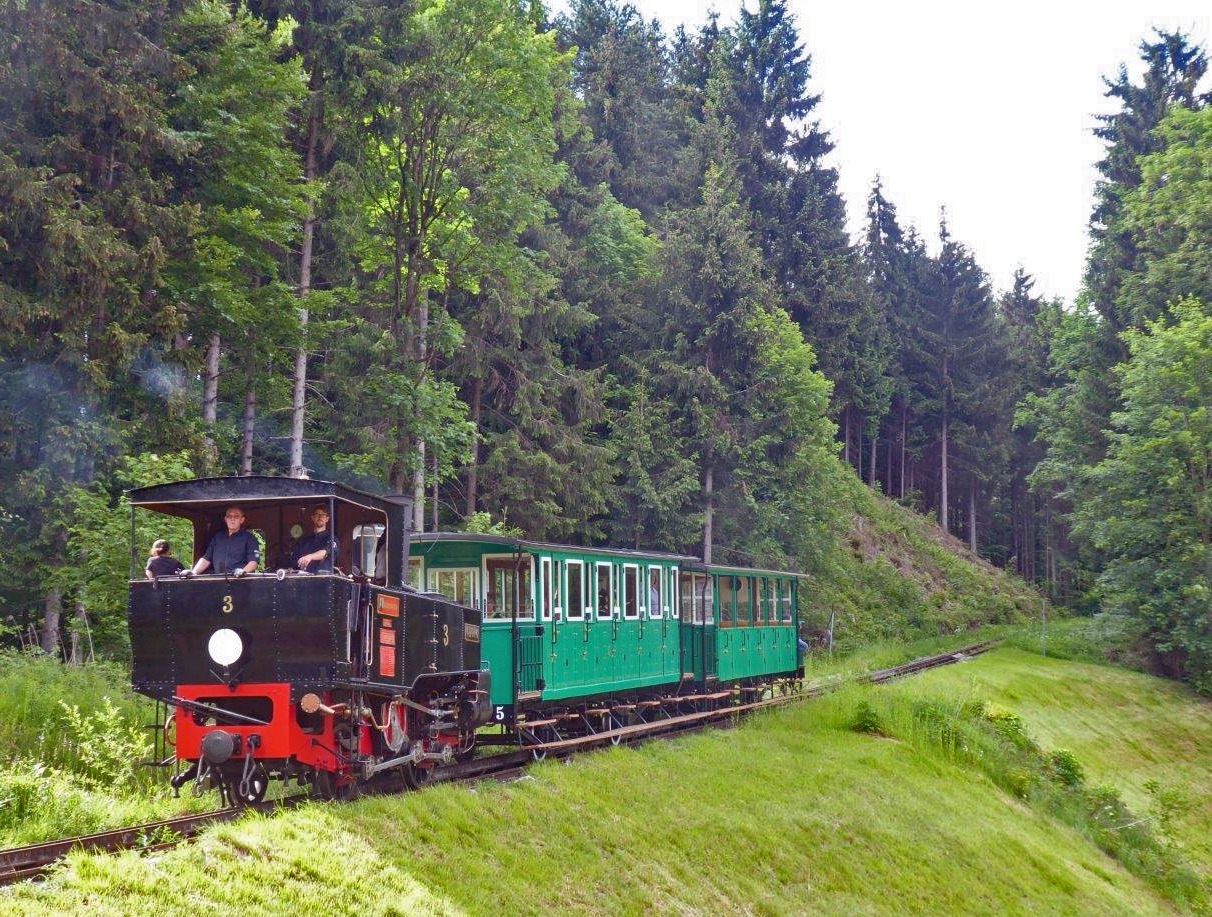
[867, 719]
[1064, 768]
[107, 747]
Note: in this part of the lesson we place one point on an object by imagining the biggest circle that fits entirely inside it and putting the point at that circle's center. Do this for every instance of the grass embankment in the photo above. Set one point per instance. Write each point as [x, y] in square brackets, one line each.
[795, 812]
[896, 577]
[70, 742]
[1149, 737]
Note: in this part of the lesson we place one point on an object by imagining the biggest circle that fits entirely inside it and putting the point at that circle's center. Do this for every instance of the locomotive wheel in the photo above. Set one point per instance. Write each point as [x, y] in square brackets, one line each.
[467, 749]
[416, 778]
[333, 787]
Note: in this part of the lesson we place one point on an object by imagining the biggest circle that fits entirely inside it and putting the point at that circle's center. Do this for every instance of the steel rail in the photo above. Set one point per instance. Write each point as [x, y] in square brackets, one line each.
[20, 863]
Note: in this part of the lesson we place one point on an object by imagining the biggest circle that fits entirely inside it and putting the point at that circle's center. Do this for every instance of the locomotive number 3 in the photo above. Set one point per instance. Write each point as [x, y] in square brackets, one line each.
[227, 605]
[446, 635]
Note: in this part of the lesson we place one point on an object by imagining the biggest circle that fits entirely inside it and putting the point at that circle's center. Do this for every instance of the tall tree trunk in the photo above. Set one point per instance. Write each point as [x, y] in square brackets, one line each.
[943, 495]
[473, 468]
[846, 434]
[52, 613]
[435, 490]
[708, 512]
[875, 441]
[904, 438]
[210, 398]
[210, 390]
[418, 489]
[250, 422]
[888, 465]
[858, 448]
[421, 354]
[972, 515]
[299, 395]
[79, 635]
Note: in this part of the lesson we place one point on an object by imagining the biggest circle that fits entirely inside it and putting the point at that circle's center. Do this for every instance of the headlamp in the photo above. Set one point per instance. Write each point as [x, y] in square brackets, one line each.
[225, 646]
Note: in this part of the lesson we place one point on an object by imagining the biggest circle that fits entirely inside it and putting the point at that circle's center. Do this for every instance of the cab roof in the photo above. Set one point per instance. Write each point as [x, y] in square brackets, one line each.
[256, 489]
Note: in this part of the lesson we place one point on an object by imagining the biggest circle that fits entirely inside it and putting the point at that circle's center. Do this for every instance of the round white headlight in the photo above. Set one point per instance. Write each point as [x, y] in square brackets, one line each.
[225, 646]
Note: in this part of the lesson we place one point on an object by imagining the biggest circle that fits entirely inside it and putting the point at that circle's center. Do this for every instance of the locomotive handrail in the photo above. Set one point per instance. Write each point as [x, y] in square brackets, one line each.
[215, 711]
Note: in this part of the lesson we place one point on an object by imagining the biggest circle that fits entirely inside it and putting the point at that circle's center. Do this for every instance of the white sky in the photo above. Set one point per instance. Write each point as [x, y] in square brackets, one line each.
[985, 108]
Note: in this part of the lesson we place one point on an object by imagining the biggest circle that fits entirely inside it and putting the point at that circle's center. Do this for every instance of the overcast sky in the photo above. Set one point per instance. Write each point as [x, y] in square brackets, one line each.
[985, 108]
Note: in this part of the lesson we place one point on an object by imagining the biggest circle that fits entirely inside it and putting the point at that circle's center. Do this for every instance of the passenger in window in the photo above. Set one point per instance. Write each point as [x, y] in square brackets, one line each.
[315, 553]
[161, 562]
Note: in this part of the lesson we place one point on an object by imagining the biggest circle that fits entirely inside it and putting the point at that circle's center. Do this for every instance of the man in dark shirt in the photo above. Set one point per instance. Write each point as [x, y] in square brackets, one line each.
[231, 553]
[315, 553]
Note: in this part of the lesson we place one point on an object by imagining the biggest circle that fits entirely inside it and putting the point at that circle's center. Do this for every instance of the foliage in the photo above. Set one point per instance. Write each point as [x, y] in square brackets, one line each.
[1151, 514]
[1052, 782]
[99, 537]
[71, 742]
[1143, 735]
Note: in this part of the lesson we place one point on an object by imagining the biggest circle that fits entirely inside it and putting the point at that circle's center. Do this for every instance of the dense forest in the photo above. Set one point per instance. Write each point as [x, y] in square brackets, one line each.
[573, 276]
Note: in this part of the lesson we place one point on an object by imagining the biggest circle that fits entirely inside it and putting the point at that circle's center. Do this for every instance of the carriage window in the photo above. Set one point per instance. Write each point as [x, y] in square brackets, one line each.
[656, 597]
[744, 601]
[686, 597]
[727, 599]
[788, 587]
[576, 590]
[604, 590]
[707, 599]
[457, 585]
[502, 588]
[416, 570]
[631, 591]
[544, 587]
[761, 601]
[557, 592]
[776, 589]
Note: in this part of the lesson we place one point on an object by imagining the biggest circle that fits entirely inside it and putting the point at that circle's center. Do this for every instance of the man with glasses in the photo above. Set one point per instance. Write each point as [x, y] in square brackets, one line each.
[231, 553]
[315, 553]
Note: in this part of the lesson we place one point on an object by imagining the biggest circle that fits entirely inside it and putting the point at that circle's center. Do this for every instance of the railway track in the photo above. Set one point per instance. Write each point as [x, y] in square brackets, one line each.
[21, 863]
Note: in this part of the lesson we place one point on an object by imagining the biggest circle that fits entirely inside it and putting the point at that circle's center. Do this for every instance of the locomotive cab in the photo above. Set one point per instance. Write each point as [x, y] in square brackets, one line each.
[330, 676]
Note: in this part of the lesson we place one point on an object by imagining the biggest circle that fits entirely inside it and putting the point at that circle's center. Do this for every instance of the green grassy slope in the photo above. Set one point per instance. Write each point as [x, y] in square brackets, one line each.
[896, 576]
[1149, 737]
[793, 813]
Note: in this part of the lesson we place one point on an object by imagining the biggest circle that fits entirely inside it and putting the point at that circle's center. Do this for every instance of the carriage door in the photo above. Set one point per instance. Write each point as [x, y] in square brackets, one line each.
[689, 649]
[509, 593]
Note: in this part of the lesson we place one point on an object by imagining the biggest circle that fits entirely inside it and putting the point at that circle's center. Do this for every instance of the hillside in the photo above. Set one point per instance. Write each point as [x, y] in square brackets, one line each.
[896, 576]
[795, 812]
[1149, 737]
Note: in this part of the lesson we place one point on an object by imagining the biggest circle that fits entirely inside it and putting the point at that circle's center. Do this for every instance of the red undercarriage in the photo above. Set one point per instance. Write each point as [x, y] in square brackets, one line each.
[282, 739]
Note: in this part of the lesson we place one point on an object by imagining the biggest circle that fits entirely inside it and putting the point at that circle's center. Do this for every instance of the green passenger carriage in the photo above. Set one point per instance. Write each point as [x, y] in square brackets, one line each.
[564, 625]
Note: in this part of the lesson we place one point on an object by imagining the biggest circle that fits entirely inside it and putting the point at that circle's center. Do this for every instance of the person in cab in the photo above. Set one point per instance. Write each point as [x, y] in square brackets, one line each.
[315, 552]
[233, 552]
[161, 561]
